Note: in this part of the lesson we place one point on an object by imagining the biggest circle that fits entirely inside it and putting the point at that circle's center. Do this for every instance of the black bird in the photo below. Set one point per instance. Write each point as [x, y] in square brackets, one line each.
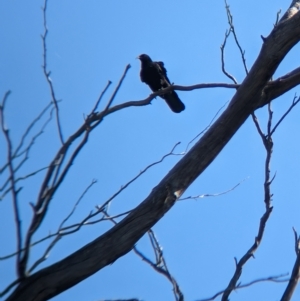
[154, 74]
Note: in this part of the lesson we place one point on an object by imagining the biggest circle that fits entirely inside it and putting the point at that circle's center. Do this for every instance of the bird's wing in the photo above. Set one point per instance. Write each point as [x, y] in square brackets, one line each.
[165, 82]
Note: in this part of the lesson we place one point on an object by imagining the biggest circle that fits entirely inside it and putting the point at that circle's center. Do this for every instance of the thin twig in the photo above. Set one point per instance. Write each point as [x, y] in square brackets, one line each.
[20, 179]
[138, 103]
[227, 33]
[294, 103]
[201, 196]
[268, 144]
[255, 120]
[240, 285]
[45, 255]
[232, 29]
[207, 127]
[26, 151]
[297, 241]
[14, 190]
[29, 128]
[277, 17]
[249, 254]
[139, 174]
[101, 96]
[16, 153]
[67, 230]
[160, 265]
[76, 204]
[47, 73]
[41, 207]
[117, 88]
[75, 227]
[295, 276]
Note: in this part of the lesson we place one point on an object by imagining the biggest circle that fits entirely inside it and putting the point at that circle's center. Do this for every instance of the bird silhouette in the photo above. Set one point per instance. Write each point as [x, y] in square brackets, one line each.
[154, 74]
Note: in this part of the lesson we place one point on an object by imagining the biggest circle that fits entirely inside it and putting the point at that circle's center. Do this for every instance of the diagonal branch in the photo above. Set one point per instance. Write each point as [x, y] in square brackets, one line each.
[29, 128]
[294, 103]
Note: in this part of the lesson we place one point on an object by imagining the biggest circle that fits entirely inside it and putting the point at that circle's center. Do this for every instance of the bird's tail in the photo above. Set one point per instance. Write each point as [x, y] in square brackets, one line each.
[174, 102]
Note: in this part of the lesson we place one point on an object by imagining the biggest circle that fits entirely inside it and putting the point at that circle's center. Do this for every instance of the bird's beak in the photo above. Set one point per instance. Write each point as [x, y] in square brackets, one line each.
[138, 57]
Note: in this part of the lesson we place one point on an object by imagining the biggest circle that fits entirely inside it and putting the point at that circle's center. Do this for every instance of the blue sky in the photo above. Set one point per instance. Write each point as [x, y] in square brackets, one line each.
[91, 42]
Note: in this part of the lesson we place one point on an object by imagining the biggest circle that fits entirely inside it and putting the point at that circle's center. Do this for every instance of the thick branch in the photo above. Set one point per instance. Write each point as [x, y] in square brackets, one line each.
[281, 85]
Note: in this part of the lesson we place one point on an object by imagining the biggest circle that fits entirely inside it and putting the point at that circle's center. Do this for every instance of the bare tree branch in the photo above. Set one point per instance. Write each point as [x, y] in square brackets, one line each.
[207, 127]
[16, 153]
[117, 88]
[232, 29]
[29, 128]
[45, 255]
[297, 241]
[227, 34]
[67, 230]
[10, 287]
[19, 179]
[101, 96]
[160, 265]
[201, 196]
[25, 152]
[47, 73]
[267, 141]
[277, 17]
[294, 103]
[14, 190]
[280, 86]
[276, 279]
[288, 293]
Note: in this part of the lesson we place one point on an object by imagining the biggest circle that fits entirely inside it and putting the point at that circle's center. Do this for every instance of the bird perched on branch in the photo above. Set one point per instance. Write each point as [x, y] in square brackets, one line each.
[154, 74]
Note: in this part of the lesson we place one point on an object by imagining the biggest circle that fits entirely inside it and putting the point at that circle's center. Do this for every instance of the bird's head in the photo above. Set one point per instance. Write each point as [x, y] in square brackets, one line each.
[144, 58]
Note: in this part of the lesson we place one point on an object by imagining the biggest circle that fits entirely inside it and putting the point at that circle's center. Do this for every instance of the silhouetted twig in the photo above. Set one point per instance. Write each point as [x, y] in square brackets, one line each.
[294, 103]
[232, 29]
[14, 190]
[101, 96]
[227, 33]
[201, 196]
[267, 141]
[47, 73]
[240, 285]
[160, 264]
[295, 276]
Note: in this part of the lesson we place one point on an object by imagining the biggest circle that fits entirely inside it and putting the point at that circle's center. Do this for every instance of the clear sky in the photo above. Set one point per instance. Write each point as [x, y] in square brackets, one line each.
[91, 42]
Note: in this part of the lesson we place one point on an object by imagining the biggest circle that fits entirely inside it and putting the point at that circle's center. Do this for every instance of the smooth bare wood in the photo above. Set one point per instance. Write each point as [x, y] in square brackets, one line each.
[119, 240]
